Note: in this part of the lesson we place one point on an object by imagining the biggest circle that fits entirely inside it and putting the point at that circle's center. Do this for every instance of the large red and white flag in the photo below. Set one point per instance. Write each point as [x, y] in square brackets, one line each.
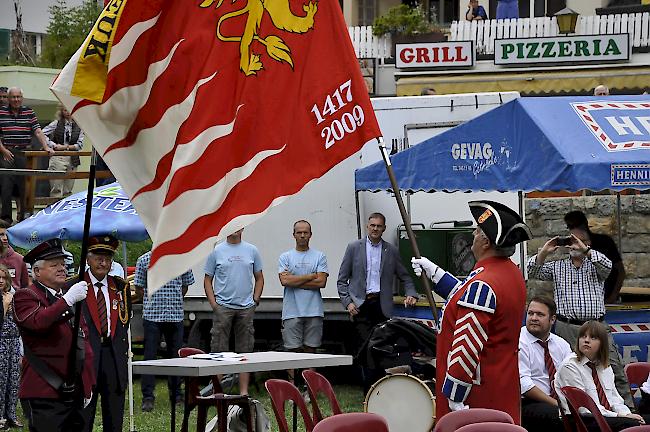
[210, 112]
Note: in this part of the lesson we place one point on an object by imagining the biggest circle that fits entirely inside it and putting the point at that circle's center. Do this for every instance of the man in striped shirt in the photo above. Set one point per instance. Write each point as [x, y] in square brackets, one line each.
[578, 291]
[17, 125]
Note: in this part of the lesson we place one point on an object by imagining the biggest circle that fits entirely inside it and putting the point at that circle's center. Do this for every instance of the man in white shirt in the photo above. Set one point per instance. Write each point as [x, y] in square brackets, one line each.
[539, 406]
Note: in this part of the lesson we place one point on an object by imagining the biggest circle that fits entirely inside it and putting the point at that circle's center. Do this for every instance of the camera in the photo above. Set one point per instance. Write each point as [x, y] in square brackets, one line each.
[564, 241]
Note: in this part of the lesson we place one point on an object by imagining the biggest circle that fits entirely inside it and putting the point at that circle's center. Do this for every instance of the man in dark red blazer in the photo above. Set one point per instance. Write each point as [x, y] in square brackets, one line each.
[44, 316]
[107, 311]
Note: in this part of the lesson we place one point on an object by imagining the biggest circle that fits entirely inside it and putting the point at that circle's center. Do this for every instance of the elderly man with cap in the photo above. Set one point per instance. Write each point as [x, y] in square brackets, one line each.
[481, 321]
[107, 311]
[44, 316]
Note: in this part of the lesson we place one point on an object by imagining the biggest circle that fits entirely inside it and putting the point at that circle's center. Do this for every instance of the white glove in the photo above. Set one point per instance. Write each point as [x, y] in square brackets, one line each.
[457, 406]
[76, 293]
[425, 264]
[87, 401]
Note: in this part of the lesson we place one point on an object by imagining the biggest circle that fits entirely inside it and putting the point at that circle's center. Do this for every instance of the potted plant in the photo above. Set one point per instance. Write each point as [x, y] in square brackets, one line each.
[407, 24]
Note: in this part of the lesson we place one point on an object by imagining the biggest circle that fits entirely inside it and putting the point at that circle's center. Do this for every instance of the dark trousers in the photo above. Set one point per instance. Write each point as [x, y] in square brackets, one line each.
[540, 416]
[173, 333]
[644, 404]
[112, 393]
[100, 165]
[615, 423]
[53, 415]
[7, 183]
[370, 314]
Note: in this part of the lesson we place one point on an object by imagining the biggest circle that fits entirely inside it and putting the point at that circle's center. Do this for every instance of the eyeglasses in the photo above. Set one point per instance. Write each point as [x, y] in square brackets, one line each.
[101, 258]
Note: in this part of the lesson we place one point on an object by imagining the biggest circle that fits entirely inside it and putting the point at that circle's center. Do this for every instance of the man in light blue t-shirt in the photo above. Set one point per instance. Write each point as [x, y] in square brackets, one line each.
[230, 271]
[303, 273]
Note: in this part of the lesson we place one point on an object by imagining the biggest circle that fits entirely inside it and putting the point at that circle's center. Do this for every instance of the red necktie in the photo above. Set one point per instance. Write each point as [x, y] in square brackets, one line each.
[550, 366]
[599, 388]
[101, 309]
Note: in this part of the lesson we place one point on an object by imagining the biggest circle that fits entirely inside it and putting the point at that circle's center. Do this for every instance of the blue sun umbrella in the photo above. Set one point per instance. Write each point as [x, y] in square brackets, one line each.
[112, 213]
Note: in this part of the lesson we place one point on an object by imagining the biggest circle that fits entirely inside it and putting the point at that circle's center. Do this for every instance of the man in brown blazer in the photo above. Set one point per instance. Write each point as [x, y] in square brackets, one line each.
[44, 316]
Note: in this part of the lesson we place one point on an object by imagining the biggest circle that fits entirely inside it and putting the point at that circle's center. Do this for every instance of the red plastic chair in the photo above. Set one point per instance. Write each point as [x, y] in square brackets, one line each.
[454, 420]
[577, 399]
[491, 427]
[637, 374]
[318, 383]
[218, 399]
[282, 391]
[353, 422]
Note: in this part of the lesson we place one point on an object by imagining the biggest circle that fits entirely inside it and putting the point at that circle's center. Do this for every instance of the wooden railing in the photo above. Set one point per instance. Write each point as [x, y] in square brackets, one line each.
[30, 199]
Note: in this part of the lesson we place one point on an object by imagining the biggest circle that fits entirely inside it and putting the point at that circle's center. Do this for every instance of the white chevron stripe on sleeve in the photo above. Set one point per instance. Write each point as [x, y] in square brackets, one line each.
[471, 316]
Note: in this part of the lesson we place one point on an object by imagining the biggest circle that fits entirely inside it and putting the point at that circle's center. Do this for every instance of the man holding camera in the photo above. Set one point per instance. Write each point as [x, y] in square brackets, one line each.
[578, 291]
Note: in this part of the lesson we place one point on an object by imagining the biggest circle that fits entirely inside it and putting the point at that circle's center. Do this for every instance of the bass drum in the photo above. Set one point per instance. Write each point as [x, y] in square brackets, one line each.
[405, 401]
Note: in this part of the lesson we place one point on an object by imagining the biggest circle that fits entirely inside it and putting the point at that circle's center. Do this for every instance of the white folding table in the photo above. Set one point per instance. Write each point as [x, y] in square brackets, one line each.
[252, 362]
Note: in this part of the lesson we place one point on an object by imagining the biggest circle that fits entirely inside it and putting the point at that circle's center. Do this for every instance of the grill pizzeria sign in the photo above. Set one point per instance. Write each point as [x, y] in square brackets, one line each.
[563, 49]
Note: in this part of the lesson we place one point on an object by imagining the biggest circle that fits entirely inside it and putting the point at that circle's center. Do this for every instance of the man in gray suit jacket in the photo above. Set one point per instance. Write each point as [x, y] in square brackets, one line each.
[365, 281]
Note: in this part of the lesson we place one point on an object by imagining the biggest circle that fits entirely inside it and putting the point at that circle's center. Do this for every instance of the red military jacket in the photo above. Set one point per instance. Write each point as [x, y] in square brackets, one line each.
[45, 326]
[476, 358]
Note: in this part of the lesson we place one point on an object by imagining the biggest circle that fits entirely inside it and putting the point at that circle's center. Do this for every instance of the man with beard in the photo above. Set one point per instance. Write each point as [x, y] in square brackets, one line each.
[540, 355]
[481, 320]
[579, 292]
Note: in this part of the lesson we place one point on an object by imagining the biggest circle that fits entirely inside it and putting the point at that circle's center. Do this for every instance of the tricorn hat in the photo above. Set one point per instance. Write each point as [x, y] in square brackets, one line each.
[103, 244]
[49, 249]
[502, 225]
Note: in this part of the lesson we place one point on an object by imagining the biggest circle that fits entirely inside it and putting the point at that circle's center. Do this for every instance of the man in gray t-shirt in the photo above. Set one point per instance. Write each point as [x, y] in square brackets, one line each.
[230, 271]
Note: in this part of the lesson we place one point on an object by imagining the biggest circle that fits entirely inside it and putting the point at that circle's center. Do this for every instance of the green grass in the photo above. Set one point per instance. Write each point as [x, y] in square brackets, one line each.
[350, 398]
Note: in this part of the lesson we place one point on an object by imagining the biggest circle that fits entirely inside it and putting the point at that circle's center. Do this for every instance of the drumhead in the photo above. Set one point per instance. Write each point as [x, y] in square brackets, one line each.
[404, 401]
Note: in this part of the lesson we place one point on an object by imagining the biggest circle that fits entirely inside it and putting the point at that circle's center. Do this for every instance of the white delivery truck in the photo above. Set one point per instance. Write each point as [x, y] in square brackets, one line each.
[329, 205]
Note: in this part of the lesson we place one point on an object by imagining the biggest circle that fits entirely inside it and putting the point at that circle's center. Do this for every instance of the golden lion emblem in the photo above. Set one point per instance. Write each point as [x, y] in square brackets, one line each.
[282, 18]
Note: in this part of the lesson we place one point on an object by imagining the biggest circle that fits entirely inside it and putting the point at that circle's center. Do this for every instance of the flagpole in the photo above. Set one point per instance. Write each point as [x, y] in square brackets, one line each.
[128, 334]
[69, 385]
[407, 224]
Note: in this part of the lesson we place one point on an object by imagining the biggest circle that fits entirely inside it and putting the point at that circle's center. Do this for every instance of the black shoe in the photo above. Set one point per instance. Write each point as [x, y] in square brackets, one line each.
[180, 400]
[147, 405]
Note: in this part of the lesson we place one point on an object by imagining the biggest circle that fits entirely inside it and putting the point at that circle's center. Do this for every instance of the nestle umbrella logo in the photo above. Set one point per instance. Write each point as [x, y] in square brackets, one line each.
[617, 125]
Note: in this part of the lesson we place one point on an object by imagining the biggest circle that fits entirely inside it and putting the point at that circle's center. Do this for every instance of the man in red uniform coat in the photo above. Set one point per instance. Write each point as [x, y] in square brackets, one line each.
[44, 316]
[477, 346]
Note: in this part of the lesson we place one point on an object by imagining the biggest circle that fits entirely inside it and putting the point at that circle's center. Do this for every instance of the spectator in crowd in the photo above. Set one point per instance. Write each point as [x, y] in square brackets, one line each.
[578, 292]
[601, 90]
[483, 314]
[475, 12]
[4, 99]
[43, 314]
[365, 280]
[605, 244]
[65, 135]
[303, 273]
[162, 314]
[540, 355]
[12, 260]
[507, 9]
[644, 404]
[588, 369]
[9, 355]
[233, 284]
[107, 311]
[428, 91]
[17, 125]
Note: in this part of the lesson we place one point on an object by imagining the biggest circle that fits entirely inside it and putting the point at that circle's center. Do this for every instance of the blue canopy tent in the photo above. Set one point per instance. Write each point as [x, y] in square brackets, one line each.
[531, 144]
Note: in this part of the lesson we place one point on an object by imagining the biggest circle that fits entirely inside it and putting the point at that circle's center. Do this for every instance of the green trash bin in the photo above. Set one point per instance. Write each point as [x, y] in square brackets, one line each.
[450, 248]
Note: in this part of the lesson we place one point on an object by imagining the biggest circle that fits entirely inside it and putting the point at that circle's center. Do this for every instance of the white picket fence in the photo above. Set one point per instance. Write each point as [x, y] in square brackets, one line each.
[483, 33]
[368, 45]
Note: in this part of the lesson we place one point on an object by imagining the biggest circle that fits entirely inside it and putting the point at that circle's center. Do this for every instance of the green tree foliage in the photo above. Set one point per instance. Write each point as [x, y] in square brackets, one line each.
[66, 31]
[402, 19]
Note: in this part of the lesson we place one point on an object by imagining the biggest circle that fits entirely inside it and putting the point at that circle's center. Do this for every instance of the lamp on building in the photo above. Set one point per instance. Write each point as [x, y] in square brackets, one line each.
[566, 20]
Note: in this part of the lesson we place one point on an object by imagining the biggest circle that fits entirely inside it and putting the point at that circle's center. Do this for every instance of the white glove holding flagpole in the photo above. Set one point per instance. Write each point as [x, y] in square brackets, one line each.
[431, 269]
[76, 293]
